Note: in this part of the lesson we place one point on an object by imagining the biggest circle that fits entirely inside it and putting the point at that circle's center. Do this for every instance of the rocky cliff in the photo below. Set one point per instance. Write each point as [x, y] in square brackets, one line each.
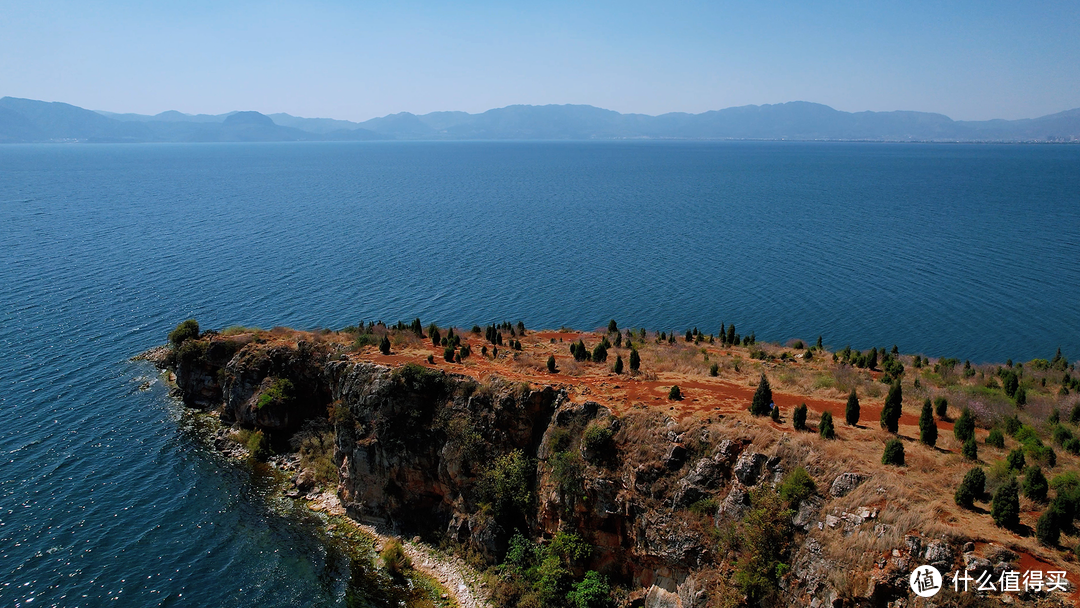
[678, 508]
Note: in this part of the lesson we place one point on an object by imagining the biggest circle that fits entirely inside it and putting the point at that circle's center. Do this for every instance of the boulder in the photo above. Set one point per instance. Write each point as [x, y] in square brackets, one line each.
[660, 598]
[939, 555]
[733, 506]
[845, 483]
[748, 468]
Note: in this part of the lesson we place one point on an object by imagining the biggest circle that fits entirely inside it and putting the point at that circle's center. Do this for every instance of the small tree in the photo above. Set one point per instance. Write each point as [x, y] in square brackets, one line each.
[759, 406]
[592, 592]
[612, 327]
[970, 449]
[891, 411]
[635, 360]
[599, 354]
[964, 428]
[1035, 485]
[714, 370]
[675, 394]
[1005, 507]
[775, 413]
[996, 438]
[927, 426]
[436, 338]
[1016, 460]
[894, 453]
[384, 345]
[798, 417]
[618, 369]
[551, 363]
[971, 488]
[941, 407]
[1021, 397]
[1047, 529]
[851, 412]
[825, 428]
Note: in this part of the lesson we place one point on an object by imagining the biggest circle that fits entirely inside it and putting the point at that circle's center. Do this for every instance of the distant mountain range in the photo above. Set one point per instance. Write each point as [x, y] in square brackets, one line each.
[26, 120]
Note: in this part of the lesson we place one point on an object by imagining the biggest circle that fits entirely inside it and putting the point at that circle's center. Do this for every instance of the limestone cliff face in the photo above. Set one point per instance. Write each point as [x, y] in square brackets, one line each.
[415, 448]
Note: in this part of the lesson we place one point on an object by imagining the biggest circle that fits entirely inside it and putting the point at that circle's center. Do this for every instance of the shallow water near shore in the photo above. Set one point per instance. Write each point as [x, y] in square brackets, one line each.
[971, 251]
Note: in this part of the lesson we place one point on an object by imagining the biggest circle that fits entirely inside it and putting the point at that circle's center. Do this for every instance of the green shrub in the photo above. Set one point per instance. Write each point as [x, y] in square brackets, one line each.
[1061, 434]
[567, 471]
[612, 326]
[927, 427]
[774, 413]
[1005, 507]
[894, 453]
[384, 345]
[964, 427]
[825, 428]
[851, 411]
[257, 445]
[597, 437]
[759, 406]
[185, 330]
[635, 360]
[971, 488]
[1047, 528]
[593, 591]
[551, 364]
[796, 486]
[599, 353]
[1072, 446]
[675, 394]
[941, 407]
[1035, 485]
[970, 450]
[280, 393]
[1020, 397]
[1055, 415]
[394, 559]
[706, 507]
[714, 370]
[798, 417]
[996, 438]
[765, 536]
[1016, 460]
[1074, 415]
[506, 485]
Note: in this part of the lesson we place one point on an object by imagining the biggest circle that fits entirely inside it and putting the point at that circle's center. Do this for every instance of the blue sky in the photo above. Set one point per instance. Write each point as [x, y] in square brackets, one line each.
[358, 60]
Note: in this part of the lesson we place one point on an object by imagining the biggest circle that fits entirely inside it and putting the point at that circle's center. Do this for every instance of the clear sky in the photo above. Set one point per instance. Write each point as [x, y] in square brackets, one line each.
[356, 60]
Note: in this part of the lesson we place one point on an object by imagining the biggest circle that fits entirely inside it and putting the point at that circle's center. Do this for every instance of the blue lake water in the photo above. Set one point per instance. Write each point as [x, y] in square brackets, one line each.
[971, 251]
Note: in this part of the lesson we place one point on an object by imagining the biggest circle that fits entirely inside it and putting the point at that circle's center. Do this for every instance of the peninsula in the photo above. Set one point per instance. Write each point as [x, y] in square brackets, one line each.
[634, 467]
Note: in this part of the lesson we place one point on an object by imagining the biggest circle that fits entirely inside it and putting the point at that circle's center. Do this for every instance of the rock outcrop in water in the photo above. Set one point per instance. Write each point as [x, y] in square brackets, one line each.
[668, 505]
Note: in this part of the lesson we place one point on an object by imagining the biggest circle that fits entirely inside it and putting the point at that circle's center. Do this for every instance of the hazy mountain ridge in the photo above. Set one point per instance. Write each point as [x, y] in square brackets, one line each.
[25, 120]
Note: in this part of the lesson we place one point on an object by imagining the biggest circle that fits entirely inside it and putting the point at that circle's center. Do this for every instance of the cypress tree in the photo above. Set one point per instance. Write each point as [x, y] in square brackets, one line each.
[1016, 460]
[825, 428]
[675, 394]
[618, 364]
[871, 361]
[448, 354]
[731, 334]
[890, 412]
[1021, 397]
[599, 354]
[1005, 507]
[964, 428]
[635, 360]
[971, 488]
[818, 345]
[1035, 486]
[851, 412]
[762, 398]
[970, 449]
[723, 335]
[996, 438]
[798, 417]
[894, 453]
[612, 326]
[927, 426]
[1047, 529]
[551, 363]
[384, 345]
[775, 413]
[714, 370]
[941, 407]
[436, 339]
[618, 339]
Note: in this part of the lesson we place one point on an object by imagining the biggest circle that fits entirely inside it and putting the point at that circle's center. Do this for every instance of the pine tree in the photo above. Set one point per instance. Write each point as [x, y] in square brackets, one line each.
[618, 364]
[1005, 507]
[1016, 460]
[825, 427]
[762, 398]
[599, 354]
[1047, 529]
[851, 412]
[891, 411]
[675, 394]
[723, 335]
[1021, 397]
[436, 339]
[996, 438]
[551, 363]
[971, 488]
[798, 417]
[731, 335]
[775, 413]
[612, 326]
[635, 360]
[384, 345]
[818, 345]
[927, 426]
[871, 361]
